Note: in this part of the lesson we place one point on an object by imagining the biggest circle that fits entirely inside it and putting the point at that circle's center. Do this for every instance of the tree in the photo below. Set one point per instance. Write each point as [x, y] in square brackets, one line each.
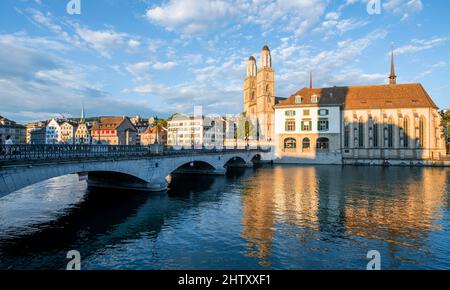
[246, 128]
[445, 124]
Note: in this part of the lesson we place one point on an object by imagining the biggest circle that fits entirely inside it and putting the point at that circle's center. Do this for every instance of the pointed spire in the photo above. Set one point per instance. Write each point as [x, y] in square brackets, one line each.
[392, 76]
[310, 80]
[82, 114]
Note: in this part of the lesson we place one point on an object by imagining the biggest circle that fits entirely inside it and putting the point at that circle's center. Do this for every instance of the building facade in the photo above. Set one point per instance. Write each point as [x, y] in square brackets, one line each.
[195, 131]
[398, 121]
[53, 132]
[10, 128]
[114, 131]
[374, 124]
[68, 130]
[307, 128]
[154, 135]
[37, 136]
[83, 134]
[141, 125]
[34, 126]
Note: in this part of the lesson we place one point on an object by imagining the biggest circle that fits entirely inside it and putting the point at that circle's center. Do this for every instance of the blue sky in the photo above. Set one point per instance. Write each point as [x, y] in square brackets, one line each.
[159, 57]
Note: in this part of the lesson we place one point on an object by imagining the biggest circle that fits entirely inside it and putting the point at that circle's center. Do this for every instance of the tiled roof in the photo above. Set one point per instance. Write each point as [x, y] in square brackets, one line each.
[279, 99]
[108, 123]
[152, 130]
[366, 97]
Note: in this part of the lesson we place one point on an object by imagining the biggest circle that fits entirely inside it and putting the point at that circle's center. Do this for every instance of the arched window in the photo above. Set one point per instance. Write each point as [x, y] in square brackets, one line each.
[375, 133]
[323, 144]
[390, 133]
[267, 88]
[306, 144]
[361, 132]
[422, 132]
[290, 143]
[406, 132]
[253, 96]
[346, 134]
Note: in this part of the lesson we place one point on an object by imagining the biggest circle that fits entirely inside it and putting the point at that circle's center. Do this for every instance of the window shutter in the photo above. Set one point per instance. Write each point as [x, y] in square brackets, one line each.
[328, 124]
[303, 123]
[310, 125]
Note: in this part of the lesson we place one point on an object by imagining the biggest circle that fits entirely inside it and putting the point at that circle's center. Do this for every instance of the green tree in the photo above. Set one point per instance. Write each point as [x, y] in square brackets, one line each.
[245, 128]
[445, 124]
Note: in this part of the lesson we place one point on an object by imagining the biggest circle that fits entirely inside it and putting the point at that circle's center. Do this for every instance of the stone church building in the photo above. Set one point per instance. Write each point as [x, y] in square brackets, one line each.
[259, 95]
[372, 124]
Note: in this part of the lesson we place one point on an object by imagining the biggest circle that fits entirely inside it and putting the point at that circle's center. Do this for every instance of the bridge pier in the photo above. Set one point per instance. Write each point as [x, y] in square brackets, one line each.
[120, 181]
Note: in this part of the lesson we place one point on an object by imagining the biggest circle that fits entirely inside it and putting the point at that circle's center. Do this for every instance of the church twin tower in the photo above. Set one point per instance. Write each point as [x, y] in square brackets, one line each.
[259, 94]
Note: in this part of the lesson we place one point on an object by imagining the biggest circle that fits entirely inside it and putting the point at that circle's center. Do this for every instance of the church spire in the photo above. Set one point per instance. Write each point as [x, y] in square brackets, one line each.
[82, 114]
[392, 76]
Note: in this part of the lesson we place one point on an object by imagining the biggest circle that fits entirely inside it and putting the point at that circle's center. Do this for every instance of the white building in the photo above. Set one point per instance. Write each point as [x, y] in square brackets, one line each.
[67, 132]
[53, 132]
[195, 131]
[308, 128]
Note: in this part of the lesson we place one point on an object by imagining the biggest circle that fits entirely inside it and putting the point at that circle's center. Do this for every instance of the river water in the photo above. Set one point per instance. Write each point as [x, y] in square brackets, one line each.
[274, 217]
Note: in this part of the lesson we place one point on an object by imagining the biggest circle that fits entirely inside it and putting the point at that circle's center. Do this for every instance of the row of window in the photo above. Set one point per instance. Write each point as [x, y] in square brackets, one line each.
[321, 144]
[306, 112]
[306, 125]
[95, 132]
[181, 124]
[300, 99]
[388, 135]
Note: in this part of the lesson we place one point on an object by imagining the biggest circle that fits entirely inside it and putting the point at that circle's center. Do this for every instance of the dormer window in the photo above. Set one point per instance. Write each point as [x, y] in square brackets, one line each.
[298, 100]
[314, 99]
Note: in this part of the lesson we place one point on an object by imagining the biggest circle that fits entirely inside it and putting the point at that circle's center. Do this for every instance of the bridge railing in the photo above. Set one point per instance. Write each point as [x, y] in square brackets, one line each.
[11, 153]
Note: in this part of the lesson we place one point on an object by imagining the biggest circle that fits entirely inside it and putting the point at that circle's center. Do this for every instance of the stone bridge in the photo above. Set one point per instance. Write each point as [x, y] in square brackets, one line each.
[133, 167]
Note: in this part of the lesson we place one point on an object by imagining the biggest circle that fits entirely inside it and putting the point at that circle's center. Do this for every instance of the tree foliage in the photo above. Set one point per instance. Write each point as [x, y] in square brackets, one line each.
[445, 123]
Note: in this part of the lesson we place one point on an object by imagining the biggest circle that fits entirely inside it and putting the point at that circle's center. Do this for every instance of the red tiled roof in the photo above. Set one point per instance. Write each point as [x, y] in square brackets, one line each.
[152, 130]
[365, 97]
[108, 123]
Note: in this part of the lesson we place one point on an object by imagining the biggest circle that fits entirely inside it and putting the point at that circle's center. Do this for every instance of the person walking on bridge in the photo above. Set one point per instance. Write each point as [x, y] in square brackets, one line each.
[8, 145]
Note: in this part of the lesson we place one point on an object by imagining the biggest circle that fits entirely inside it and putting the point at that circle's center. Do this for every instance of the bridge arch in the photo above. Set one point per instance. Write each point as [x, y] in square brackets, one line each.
[20, 177]
[236, 161]
[194, 166]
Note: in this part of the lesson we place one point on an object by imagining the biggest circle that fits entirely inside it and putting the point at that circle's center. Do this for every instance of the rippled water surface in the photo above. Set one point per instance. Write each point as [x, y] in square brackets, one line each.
[281, 217]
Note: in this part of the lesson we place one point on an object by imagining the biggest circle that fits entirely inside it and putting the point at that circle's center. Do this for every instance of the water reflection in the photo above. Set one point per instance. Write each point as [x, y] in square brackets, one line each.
[103, 217]
[281, 217]
[393, 207]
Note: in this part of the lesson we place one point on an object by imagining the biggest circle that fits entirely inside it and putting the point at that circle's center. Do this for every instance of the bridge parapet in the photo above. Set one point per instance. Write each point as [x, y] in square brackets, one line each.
[13, 154]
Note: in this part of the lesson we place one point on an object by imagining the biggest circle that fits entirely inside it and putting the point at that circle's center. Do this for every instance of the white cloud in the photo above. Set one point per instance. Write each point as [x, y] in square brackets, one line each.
[140, 70]
[34, 77]
[418, 45]
[101, 40]
[191, 16]
[164, 65]
[405, 8]
[336, 66]
[333, 25]
[133, 43]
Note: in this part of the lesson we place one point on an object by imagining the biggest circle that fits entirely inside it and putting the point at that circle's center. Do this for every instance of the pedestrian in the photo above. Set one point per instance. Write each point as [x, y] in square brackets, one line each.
[8, 145]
